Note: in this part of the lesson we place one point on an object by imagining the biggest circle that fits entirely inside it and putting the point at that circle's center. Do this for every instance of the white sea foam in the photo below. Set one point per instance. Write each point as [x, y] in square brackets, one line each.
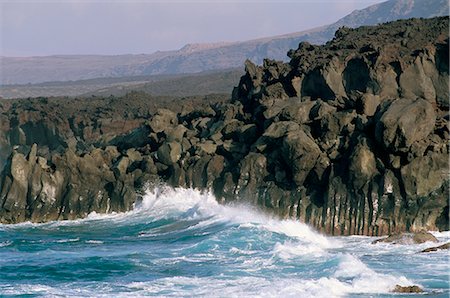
[365, 280]
[163, 202]
[238, 251]
[5, 243]
[94, 242]
[293, 249]
[358, 281]
[68, 240]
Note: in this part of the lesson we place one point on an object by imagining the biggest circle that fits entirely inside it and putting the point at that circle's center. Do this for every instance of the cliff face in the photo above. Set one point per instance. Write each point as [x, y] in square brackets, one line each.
[350, 137]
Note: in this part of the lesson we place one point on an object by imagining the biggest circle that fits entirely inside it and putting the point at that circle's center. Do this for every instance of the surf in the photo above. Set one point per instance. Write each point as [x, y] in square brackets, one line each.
[182, 242]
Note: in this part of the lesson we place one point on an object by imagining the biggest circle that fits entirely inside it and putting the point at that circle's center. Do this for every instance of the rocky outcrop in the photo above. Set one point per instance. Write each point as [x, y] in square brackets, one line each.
[350, 137]
[407, 289]
[408, 238]
[71, 186]
[436, 248]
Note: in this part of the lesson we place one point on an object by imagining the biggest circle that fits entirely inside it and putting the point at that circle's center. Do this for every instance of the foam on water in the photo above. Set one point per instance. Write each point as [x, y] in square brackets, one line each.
[181, 242]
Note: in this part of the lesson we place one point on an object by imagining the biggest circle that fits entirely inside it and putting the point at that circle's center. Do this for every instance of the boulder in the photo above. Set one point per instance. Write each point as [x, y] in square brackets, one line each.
[279, 129]
[425, 174]
[175, 134]
[408, 238]
[208, 147]
[368, 104]
[169, 153]
[436, 248]
[363, 165]
[300, 153]
[406, 121]
[407, 289]
[162, 120]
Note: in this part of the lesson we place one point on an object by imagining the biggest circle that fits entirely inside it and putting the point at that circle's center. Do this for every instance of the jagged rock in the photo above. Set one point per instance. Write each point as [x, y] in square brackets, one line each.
[414, 82]
[169, 153]
[207, 147]
[321, 109]
[407, 289]
[297, 111]
[369, 103]
[253, 169]
[436, 248]
[275, 91]
[163, 119]
[149, 165]
[134, 155]
[406, 121]
[425, 174]
[248, 133]
[300, 153]
[122, 166]
[176, 134]
[214, 169]
[363, 167]
[279, 129]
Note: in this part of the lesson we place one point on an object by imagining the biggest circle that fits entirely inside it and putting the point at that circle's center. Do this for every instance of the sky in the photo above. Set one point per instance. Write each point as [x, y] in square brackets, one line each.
[39, 28]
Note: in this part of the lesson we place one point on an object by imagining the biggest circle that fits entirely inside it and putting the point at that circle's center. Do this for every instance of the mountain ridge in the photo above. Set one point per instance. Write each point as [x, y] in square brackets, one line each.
[194, 58]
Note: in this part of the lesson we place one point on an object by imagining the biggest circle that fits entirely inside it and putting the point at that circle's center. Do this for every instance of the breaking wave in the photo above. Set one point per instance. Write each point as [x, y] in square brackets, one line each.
[181, 242]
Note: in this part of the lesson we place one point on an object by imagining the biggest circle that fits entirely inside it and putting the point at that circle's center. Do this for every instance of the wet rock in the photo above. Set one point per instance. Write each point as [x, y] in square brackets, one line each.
[436, 248]
[408, 238]
[407, 289]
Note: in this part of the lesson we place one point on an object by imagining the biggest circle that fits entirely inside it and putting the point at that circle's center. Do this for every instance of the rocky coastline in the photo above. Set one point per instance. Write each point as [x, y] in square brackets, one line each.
[350, 137]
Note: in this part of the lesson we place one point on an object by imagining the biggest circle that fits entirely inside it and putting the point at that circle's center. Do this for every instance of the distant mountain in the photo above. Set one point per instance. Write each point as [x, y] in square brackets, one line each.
[202, 83]
[200, 57]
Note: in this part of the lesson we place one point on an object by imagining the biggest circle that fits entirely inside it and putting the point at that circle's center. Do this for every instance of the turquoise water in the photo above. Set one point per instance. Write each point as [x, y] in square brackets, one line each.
[181, 243]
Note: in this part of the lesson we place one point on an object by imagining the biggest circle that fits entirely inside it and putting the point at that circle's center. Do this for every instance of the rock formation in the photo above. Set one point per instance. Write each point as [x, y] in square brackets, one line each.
[350, 137]
[436, 248]
[407, 289]
[408, 238]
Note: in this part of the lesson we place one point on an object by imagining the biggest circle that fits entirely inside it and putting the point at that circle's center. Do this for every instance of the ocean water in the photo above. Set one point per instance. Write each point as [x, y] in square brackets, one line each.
[181, 243]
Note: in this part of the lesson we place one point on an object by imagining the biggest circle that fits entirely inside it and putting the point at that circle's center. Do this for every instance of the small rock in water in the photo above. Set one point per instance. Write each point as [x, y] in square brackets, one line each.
[436, 248]
[408, 238]
[407, 289]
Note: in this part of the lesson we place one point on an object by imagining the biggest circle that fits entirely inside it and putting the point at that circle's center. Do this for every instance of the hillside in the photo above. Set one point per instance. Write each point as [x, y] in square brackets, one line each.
[198, 57]
[203, 83]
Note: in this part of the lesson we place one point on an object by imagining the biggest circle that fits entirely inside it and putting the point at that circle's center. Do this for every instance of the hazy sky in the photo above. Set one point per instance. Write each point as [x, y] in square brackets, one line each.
[118, 27]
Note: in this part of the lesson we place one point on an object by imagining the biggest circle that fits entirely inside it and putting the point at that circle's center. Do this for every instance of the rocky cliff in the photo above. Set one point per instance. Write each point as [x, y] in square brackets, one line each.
[350, 137]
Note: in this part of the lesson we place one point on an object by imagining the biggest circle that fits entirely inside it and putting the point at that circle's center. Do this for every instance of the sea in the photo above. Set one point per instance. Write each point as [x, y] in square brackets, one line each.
[182, 243]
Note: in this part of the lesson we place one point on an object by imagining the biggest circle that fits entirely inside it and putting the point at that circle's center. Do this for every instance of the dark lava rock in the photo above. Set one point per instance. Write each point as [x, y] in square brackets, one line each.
[436, 248]
[407, 289]
[408, 238]
[350, 137]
